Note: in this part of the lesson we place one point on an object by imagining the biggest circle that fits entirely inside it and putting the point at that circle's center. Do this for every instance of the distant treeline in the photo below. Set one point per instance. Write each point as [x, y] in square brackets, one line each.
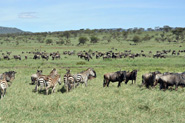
[165, 33]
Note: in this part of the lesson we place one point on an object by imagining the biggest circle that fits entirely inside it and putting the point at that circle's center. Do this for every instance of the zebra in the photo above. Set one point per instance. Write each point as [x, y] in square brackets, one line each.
[3, 86]
[83, 76]
[41, 80]
[69, 82]
[52, 82]
[35, 76]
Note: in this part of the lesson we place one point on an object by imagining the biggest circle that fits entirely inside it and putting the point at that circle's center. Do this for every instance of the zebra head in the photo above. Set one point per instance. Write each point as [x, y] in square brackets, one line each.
[92, 72]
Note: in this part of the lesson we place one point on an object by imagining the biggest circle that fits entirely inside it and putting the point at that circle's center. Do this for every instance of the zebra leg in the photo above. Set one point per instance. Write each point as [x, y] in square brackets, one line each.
[47, 89]
[4, 92]
[1, 94]
[53, 90]
[36, 88]
[85, 84]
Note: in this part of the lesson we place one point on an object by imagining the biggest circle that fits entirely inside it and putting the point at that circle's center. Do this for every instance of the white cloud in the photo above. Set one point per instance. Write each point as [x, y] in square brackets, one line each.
[27, 15]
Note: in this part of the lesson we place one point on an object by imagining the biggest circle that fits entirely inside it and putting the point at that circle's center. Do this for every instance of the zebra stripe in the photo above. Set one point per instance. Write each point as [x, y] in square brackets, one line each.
[3, 86]
[40, 82]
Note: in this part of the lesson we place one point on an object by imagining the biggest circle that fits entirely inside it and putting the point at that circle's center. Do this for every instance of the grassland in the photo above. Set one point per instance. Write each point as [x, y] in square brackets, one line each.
[129, 103]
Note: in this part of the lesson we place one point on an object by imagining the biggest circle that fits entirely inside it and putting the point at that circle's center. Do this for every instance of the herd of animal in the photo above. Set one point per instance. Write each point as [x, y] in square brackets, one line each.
[71, 81]
[88, 55]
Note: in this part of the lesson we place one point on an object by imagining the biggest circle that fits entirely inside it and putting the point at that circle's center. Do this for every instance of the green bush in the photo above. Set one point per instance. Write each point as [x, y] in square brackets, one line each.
[49, 41]
[81, 63]
[94, 39]
[136, 39]
[82, 40]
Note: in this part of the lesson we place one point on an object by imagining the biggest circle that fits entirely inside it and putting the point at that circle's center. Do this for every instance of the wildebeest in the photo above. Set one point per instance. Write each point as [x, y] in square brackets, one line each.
[9, 76]
[17, 57]
[131, 76]
[36, 56]
[45, 57]
[114, 77]
[172, 79]
[6, 57]
[148, 79]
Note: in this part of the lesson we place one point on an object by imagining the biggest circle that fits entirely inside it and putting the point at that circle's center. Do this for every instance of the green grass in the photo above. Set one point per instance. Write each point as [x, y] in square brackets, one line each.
[129, 103]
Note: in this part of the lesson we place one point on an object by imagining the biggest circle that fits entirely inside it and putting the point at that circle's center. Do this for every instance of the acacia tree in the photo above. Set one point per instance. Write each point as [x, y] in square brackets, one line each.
[49, 41]
[82, 40]
[136, 39]
[94, 39]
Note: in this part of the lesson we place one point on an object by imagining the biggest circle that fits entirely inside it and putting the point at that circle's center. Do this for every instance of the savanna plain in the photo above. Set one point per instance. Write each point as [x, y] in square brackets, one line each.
[94, 103]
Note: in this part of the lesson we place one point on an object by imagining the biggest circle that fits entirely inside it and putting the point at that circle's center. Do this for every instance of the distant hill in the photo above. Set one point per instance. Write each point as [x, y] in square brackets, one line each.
[8, 30]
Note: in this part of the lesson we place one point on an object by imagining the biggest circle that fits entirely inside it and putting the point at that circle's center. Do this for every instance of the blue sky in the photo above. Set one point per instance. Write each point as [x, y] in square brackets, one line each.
[61, 15]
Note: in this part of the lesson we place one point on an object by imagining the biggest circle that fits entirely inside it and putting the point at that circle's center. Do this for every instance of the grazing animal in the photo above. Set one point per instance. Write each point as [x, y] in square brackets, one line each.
[114, 77]
[41, 80]
[3, 86]
[52, 82]
[69, 82]
[9, 76]
[17, 57]
[148, 79]
[172, 79]
[83, 76]
[34, 77]
[36, 57]
[131, 76]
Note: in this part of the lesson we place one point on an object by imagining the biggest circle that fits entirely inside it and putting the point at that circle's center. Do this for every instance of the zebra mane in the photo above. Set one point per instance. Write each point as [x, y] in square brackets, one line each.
[86, 70]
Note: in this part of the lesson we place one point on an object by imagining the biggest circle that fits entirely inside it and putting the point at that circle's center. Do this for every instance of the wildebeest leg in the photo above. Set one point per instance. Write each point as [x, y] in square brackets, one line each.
[104, 83]
[119, 84]
[108, 83]
[176, 87]
[132, 81]
[126, 81]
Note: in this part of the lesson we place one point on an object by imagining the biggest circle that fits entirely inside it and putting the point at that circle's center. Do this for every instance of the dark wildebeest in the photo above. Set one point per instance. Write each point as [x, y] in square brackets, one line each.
[6, 57]
[36, 56]
[148, 79]
[172, 79]
[9, 76]
[17, 57]
[45, 57]
[113, 77]
[131, 76]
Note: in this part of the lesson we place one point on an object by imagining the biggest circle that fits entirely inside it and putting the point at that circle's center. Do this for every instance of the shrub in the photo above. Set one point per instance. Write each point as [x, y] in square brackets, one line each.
[82, 40]
[136, 39]
[49, 41]
[60, 42]
[81, 63]
[94, 39]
